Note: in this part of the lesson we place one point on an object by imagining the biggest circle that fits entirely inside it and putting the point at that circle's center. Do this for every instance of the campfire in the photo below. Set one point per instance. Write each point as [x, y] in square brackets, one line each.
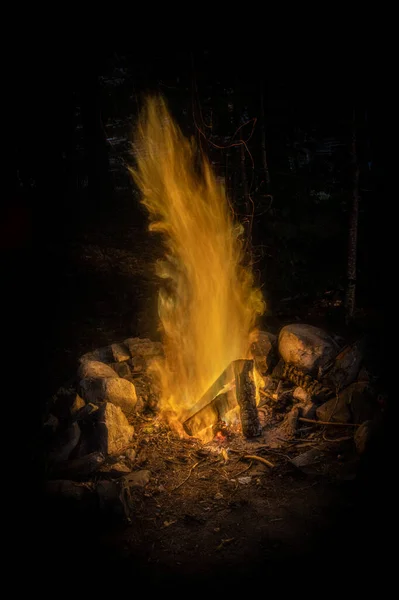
[209, 304]
[214, 379]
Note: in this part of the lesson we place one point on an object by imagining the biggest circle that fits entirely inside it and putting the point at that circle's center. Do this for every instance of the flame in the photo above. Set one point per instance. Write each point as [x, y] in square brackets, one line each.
[208, 304]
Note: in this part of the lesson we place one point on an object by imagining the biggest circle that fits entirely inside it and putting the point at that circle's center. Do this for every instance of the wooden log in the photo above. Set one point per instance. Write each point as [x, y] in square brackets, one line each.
[245, 395]
[218, 400]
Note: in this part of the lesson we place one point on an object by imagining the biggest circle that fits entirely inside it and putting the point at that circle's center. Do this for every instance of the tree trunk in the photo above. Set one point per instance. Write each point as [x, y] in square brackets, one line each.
[350, 302]
[263, 142]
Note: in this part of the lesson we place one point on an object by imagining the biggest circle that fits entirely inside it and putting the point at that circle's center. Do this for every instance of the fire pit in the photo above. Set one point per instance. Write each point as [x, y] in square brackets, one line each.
[217, 409]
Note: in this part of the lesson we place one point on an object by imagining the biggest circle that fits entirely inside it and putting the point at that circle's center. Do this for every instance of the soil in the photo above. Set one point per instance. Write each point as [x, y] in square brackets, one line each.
[196, 522]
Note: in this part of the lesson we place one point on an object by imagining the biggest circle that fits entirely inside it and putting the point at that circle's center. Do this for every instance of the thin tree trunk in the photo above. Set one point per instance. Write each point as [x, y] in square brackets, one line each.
[353, 229]
[263, 142]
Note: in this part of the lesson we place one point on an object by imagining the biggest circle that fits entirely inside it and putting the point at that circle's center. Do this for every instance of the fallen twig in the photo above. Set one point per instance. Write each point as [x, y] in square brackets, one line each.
[340, 439]
[243, 471]
[339, 423]
[260, 459]
[188, 476]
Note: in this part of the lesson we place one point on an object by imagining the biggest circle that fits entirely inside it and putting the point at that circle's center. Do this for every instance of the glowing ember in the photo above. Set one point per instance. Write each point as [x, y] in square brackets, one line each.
[208, 305]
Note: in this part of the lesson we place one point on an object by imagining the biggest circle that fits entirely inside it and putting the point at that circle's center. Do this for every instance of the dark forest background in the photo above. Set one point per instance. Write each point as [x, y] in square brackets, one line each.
[74, 116]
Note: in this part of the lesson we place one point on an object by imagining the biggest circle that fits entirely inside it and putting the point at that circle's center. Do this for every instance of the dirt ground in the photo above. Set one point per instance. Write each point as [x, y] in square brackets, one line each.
[197, 521]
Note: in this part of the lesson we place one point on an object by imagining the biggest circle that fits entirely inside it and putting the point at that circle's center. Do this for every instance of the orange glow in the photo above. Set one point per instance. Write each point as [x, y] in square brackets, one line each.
[208, 304]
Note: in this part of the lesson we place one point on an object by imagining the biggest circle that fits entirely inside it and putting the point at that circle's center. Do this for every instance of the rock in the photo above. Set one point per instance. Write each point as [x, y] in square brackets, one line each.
[346, 367]
[122, 369]
[355, 404]
[113, 429]
[122, 393]
[362, 436]
[77, 405]
[104, 355]
[71, 493]
[95, 369]
[264, 351]
[138, 479]
[310, 457]
[305, 346]
[301, 395]
[116, 469]
[335, 410]
[137, 364]
[81, 467]
[92, 390]
[116, 390]
[143, 347]
[308, 411]
[66, 442]
[120, 352]
[130, 454]
[84, 413]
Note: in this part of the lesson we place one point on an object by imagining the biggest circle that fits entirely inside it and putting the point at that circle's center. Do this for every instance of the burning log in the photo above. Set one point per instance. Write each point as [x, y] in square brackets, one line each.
[245, 394]
[234, 387]
[218, 400]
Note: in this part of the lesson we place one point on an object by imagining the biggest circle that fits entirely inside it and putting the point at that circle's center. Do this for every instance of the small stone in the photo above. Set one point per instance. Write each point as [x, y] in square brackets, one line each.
[308, 411]
[116, 469]
[122, 369]
[130, 454]
[113, 429]
[120, 352]
[143, 347]
[244, 480]
[305, 346]
[138, 479]
[301, 394]
[104, 355]
[95, 369]
[218, 496]
[84, 413]
[310, 457]
[77, 405]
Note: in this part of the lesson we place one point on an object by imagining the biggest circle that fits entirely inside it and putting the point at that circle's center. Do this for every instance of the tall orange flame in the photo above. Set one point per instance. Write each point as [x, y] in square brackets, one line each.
[208, 304]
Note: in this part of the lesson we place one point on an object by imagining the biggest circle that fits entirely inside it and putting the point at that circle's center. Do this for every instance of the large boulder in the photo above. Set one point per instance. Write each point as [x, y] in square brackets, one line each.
[113, 430]
[264, 351]
[119, 391]
[307, 347]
